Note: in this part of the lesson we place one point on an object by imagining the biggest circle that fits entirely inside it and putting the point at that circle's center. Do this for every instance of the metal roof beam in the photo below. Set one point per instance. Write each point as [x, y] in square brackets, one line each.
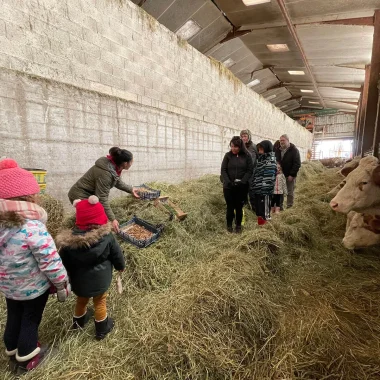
[361, 21]
[365, 16]
[294, 34]
[234, 33]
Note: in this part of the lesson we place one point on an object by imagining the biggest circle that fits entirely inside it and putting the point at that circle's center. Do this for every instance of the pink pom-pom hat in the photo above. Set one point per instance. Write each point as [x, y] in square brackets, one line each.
[15, 181]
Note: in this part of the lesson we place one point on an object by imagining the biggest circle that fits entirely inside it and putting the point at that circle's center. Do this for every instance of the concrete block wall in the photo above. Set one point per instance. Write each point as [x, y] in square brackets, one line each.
[79, 76]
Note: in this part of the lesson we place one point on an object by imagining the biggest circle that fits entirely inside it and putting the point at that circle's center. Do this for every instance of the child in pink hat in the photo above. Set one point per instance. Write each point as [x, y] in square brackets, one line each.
[29, 266]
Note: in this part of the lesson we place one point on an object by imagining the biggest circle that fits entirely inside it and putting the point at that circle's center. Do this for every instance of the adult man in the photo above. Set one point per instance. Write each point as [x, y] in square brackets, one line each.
[246, 136]
[289, 157]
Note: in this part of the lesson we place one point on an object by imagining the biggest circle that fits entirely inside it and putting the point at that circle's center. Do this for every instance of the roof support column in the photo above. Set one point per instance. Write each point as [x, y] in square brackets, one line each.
[376, 138]
[357, 129]
[371, 107]
[363, 110]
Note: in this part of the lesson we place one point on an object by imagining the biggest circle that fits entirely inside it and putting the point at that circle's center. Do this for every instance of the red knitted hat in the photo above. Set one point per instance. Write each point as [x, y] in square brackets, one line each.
[15, 181]
[88, 212]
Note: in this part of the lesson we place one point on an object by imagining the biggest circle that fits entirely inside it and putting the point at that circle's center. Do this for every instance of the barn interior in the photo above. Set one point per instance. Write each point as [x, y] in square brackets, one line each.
[173, 81]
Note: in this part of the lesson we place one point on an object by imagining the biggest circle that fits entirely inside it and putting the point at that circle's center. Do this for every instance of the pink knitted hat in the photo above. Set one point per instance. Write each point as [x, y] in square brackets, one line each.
[16, 182]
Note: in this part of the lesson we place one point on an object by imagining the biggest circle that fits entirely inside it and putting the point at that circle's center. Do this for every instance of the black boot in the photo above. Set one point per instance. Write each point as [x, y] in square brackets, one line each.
[103, 328]
[27, 365]
[238, 229]
[12, 360]
[81, 321]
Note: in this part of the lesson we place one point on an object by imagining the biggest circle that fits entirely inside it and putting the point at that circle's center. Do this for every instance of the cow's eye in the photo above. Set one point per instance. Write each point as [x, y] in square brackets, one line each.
[363, 183]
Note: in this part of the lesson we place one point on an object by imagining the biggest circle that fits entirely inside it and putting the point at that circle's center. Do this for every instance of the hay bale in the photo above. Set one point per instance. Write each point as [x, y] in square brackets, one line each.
[55, 211]
[284, 301]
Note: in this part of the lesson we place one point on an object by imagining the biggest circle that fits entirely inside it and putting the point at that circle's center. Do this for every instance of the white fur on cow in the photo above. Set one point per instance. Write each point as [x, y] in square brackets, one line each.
[361, 190]
[347, 169]
[362, 230]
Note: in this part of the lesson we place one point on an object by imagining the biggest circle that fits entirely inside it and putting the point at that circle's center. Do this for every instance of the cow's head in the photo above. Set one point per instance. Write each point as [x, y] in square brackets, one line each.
[350, 166]
[362, 231]
[361, 189]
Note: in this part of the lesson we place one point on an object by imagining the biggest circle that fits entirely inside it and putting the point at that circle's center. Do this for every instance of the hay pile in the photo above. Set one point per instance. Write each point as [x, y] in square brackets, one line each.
[285, 301]
[55, 211]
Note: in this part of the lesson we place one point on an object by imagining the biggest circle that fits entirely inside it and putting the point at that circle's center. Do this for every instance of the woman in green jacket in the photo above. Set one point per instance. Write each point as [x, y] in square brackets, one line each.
[102, 177]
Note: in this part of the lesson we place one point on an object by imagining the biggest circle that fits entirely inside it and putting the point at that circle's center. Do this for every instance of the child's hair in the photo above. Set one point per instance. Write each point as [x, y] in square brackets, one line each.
[237, 141]
[26, 198]
[279, 167]
[120, 156]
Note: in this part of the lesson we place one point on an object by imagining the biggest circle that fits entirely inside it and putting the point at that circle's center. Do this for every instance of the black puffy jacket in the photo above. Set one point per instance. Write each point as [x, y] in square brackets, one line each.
[89, 258]
[291, 162]
[236, 166]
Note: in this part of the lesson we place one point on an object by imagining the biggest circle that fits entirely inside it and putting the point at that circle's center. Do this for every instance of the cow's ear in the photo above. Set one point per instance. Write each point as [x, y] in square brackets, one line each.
[347, 171]
[376, 175]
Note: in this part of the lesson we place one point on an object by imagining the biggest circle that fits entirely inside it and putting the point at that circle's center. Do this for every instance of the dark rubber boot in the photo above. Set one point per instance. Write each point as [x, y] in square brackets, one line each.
[34, 362]
[238, 229]
[103, 328]
[230, 229]
[79, 323]
[12, 360]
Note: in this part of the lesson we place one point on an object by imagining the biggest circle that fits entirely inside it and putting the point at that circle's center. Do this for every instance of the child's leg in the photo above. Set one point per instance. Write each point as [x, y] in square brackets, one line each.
[13, 325]
[100, 304]
[103, 323]
[81, 315]
[81, 307]
[267, 202]
[28, 347]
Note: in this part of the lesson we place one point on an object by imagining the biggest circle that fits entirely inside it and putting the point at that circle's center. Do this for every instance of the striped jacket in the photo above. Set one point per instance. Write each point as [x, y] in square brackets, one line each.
[264, 176]
[280, 185]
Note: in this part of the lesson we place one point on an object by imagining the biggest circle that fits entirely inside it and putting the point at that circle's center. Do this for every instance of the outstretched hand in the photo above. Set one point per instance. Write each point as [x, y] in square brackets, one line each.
[135, 193]
[115, 225]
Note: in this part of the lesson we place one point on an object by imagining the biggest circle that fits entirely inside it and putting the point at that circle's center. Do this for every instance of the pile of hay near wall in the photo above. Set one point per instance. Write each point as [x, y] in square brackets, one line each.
[55, 211]
[284, 301]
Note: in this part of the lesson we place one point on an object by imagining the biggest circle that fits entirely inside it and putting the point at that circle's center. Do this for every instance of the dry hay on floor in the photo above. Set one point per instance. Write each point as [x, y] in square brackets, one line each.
[55, 211]
[285, 301]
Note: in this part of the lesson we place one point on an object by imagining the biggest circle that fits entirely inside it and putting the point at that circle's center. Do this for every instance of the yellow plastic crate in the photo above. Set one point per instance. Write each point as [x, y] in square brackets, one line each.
[39, 175]
[42, 188]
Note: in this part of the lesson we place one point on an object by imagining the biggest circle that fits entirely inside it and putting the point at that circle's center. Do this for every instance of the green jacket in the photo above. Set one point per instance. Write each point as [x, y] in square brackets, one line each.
[99, 180]
[89, 258]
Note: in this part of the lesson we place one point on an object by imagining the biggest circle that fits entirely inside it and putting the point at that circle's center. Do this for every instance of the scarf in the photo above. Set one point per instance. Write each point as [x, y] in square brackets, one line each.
[27, 210]
[118, 171]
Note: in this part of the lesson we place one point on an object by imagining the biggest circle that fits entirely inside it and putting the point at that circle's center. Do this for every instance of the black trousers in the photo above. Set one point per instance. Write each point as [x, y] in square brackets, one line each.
[235, 198]
[23, 320]
[262, 203]
[277, 200]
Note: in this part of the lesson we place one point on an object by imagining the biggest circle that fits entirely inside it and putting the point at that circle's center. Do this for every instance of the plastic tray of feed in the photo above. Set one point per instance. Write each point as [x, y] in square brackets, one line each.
[145, 192]
[167, 205]
[139, 232]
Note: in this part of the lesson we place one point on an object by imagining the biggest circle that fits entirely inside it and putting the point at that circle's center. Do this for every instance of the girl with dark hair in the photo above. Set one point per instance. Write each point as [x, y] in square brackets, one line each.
[237, 169]
[102, 177]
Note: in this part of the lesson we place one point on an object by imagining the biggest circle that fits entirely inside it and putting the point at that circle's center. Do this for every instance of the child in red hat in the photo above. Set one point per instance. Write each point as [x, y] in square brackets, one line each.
[89, 253]
[29, 264]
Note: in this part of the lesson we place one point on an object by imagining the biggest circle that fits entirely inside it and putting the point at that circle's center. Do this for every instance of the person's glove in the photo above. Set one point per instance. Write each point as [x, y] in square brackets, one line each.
[63, 291]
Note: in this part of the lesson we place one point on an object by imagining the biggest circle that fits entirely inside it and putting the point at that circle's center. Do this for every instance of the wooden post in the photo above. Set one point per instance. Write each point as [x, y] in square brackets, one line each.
[357, 131]
[371, 109]
[363, 112]
[376, 139]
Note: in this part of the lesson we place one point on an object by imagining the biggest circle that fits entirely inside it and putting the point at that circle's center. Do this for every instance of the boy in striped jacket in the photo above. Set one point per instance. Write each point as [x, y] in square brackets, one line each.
[280, 190]
[264, 178]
